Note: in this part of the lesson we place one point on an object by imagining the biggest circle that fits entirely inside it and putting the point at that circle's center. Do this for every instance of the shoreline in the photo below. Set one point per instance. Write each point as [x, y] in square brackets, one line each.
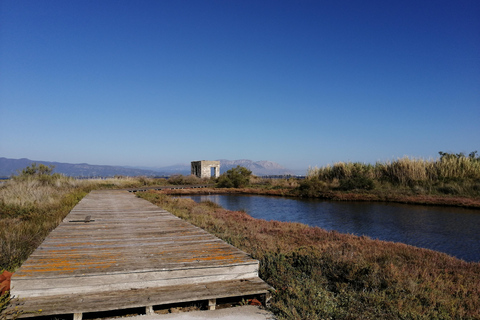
[428, 200]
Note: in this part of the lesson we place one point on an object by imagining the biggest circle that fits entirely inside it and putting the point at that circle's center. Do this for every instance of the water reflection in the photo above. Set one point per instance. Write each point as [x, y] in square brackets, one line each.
[450, 230]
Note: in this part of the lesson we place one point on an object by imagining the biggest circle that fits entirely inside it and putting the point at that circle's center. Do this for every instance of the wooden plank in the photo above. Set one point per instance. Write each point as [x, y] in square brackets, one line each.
[169, 187]
[129, 245]
[133, 298]
[155, 247]
[212, 303]
[70, 262]
[131, 281]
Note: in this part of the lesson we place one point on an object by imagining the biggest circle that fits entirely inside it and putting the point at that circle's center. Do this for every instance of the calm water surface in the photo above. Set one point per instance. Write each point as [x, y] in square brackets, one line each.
[451, 230]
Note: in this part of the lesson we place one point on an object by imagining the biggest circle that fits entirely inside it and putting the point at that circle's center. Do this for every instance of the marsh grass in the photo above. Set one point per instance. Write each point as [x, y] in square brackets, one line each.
[270, 183]
[29, 210]
[14, 313]
[327, 275]
[188, 180]
[449, 175]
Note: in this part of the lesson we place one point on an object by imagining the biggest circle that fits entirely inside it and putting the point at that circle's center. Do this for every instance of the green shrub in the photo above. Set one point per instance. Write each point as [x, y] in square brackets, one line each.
[356, 182]
[238, 177]
[41, 173]
[312, 186]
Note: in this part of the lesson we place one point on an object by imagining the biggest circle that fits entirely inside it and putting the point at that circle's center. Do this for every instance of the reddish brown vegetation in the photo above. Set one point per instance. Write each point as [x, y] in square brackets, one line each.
[5, 281]
[320, 274]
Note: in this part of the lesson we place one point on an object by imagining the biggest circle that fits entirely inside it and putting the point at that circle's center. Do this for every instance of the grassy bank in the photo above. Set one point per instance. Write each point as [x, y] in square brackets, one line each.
[449, 176]
[322, 275]
[29, 210]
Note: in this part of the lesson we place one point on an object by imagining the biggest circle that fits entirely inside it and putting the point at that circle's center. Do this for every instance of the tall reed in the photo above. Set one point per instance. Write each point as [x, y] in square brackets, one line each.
[404, 171]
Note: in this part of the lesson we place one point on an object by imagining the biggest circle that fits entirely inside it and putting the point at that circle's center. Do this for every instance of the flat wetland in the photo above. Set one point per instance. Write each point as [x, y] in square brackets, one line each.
[317, 274]
[322, 274]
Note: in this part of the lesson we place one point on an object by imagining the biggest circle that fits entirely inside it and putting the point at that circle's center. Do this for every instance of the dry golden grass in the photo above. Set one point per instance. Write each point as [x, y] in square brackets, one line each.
[29, 210]
[403, 171]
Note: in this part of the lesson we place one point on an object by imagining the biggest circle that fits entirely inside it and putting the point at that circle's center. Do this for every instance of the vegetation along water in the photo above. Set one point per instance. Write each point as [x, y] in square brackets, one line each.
[321, 274]
[318, 274]
[447, 229]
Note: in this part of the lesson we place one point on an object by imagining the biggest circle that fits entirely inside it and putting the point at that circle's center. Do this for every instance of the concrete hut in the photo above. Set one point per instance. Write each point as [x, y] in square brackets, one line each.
[206, 169]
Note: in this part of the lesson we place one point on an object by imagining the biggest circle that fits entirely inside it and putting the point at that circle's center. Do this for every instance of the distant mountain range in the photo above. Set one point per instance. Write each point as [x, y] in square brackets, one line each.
[258, 168]
[9, 167]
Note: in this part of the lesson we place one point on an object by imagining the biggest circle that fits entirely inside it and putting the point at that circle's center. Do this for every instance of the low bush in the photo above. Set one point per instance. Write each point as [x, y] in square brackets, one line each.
[356, 182]
[238, 177]
[274, 183]
[186, 180]
[312, 187]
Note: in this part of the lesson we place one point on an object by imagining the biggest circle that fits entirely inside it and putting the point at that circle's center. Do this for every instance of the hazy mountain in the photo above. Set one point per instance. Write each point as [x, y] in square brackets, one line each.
[258, 168]
[9, 167]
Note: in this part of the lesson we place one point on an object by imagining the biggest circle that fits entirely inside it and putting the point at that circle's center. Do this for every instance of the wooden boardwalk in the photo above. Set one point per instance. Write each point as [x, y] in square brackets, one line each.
[170, 187]
[117, 251]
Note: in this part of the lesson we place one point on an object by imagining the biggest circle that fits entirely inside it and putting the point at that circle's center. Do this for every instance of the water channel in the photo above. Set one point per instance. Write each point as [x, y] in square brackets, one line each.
[455, 231]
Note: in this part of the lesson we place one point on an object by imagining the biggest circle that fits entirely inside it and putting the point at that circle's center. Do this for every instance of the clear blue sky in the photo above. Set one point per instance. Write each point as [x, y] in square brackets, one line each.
[301, 83]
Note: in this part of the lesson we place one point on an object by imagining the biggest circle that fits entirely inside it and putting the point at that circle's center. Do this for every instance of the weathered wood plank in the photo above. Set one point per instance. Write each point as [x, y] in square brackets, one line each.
[123, 281]
[132, 298]
[134, 258]
[130, 245]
